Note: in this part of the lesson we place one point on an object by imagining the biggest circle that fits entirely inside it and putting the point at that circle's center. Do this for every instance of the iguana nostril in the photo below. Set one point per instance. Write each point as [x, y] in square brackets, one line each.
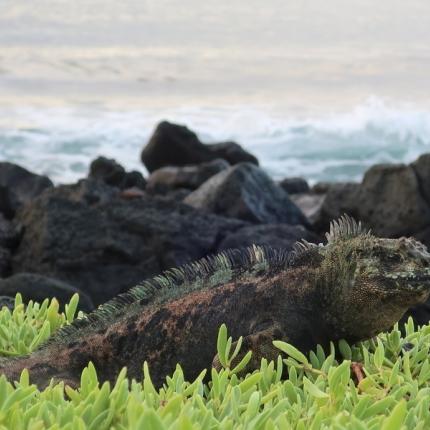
[425, 262]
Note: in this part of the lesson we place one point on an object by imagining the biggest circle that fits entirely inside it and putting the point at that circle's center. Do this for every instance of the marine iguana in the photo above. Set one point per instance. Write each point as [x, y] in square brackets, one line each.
[352, 288]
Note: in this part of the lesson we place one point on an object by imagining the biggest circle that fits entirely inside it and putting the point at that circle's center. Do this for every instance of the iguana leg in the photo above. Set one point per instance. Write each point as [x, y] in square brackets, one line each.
[260, 344]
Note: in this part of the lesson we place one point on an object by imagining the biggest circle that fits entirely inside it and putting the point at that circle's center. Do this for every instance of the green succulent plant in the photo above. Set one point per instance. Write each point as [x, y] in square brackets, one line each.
[319, 392]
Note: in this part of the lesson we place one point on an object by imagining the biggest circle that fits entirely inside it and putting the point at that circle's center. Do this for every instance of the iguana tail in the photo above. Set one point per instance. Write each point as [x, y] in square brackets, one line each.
[41, 366]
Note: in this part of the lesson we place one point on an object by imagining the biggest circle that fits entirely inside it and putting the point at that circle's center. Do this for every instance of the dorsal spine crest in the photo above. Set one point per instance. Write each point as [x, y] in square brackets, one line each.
[345, 227]
[207, 272]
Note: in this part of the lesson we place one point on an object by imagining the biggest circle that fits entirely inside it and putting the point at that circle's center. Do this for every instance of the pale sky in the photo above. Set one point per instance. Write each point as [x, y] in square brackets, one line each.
[244, 50]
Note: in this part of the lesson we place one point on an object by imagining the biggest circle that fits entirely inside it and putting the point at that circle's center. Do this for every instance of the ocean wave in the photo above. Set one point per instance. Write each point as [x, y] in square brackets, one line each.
[61, 142]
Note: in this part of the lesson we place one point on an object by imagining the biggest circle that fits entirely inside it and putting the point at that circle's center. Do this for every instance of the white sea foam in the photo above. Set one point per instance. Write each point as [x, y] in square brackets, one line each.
[337, 146]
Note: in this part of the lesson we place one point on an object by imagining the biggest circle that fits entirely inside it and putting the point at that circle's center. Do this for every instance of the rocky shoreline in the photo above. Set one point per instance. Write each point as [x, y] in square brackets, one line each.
[114, 228]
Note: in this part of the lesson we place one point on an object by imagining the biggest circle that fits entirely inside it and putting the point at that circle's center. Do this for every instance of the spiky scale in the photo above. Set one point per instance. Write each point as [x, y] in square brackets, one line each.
[344, 228]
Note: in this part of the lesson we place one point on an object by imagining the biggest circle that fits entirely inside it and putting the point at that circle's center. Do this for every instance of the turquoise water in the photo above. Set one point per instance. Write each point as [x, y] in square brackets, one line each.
[60, 142]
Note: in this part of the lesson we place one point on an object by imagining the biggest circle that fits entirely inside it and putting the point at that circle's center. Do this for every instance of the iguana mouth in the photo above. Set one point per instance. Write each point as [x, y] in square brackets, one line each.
[410, 281]
[416, 278]
[414, 283]
[410, 277]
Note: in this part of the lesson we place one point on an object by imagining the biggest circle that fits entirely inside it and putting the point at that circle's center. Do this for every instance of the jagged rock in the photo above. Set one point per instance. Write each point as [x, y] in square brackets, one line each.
[132, 193]
[176, 145]
[420, 314]
[111, 173]
[275, 235]
[390, 201]
[423, 236]
[105, 246]
[18, 186]
[321, 187]
[173, 145]
[134, 179]
[37, 288]
[107, 170]
[310, 204]
[294, 185]
[232, 152]
[177, 195]
[87, 191]
[163, 180]
[246, 192]
[8, 202]
[10, 234]
[422, 169]
[5, 262]
[340, 198]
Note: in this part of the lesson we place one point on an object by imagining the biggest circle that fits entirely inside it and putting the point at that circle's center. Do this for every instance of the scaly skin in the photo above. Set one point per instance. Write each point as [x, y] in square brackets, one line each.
[352, 288]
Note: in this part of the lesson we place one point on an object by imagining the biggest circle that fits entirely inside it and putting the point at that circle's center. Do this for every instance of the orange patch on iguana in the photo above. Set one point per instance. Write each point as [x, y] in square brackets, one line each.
[202, 297]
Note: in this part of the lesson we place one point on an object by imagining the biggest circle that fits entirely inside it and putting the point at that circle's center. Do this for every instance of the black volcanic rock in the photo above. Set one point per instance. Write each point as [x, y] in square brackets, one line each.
[282, 236]
[340, 198]
[390, 200]
[422, 169]
[10, 233]
[232, 152]
[5, 262]
[103, 244]
[246, 192]
[110, 172]
[176, 145]
[190, 177]
[37, 288]
[294, 185]
[10, 236]
[19, 186]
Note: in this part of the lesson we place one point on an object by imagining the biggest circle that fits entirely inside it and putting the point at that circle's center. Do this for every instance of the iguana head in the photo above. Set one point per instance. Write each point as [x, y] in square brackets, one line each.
[367, 283]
